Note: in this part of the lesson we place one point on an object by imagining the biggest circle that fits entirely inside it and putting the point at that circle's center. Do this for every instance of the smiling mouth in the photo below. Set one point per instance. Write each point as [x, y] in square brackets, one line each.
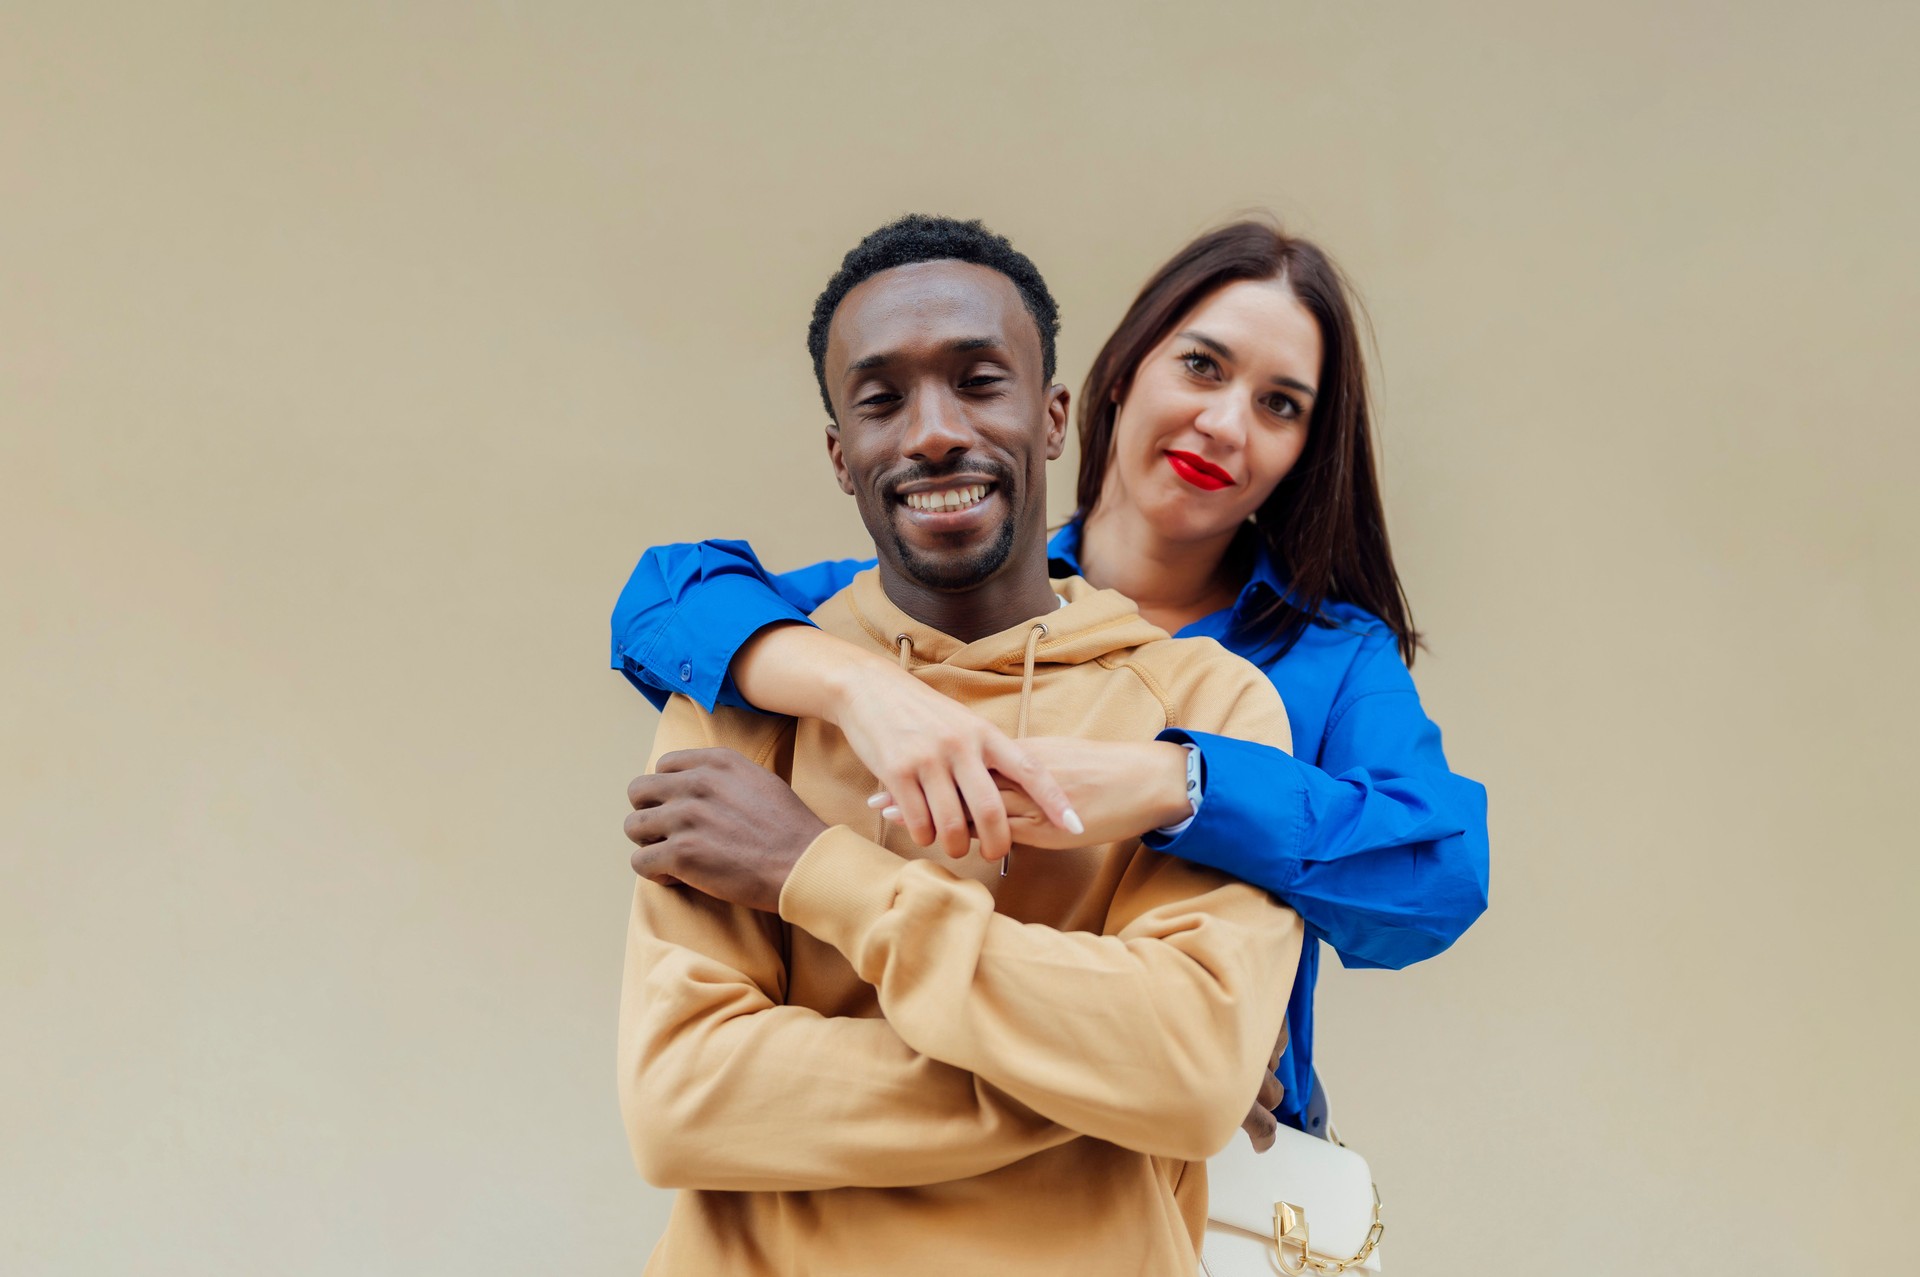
[1199, 472]
[955, 498]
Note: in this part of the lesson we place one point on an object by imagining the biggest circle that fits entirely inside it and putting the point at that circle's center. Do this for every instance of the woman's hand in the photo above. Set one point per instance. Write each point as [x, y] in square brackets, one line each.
[943, 769]
[935, 759]
[1121, 789]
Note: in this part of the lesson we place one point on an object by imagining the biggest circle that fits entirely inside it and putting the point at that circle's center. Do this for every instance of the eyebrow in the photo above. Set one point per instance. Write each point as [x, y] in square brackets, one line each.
[1221, 349]
[962, 346]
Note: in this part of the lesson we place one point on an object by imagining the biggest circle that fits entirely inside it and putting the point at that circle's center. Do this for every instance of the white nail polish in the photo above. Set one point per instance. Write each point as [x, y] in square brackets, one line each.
[1073, 822]
[891, 813]
[879, 799]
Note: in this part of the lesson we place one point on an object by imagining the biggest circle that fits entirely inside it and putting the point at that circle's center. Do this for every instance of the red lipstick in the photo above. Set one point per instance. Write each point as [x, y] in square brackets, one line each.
[1198, 471]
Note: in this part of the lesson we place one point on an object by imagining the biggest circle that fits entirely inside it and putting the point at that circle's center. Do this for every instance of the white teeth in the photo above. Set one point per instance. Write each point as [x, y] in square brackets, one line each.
[948, 499]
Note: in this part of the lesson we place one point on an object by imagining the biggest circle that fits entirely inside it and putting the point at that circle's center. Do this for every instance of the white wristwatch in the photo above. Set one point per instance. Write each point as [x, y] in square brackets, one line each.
[1196, 790]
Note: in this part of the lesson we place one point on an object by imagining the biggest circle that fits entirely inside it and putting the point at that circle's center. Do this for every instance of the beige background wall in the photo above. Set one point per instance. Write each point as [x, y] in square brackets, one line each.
[350, 353]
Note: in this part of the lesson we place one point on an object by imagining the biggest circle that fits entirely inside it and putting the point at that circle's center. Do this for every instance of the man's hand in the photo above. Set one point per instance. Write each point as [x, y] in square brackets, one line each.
[1260, 1124]
[714, 821]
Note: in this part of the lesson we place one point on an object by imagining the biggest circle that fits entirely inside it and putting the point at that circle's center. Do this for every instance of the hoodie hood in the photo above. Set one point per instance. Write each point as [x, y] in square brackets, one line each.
[1093, 623]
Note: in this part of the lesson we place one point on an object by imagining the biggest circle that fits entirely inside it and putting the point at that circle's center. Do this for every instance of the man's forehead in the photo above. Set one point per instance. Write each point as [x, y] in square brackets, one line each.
[927, 304]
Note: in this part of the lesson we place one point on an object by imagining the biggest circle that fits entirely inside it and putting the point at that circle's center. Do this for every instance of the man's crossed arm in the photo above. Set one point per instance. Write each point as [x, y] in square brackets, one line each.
[1000, 1039]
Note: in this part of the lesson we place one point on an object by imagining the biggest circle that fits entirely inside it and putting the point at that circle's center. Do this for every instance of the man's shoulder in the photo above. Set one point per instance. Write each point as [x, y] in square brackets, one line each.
[838, 616]
[685, 725]
[1186, 659]
[1209, 688]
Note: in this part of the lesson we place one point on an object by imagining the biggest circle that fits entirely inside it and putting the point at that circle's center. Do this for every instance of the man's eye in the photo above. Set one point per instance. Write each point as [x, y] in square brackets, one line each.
[984, 379]
[877, 400]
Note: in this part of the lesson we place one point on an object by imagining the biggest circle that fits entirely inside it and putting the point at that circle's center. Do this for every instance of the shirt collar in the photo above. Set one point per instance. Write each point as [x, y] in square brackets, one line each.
[1263, 586]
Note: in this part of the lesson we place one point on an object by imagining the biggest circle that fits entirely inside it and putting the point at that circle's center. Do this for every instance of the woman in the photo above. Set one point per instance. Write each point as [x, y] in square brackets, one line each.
[1227, 486]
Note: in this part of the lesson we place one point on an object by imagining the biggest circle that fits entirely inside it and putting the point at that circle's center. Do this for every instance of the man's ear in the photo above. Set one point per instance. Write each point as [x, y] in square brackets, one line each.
[1056, 421]
[839, 461]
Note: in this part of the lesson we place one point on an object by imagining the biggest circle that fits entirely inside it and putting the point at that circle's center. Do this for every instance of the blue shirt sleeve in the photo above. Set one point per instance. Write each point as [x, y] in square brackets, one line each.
[688, 609]
[1381, 849]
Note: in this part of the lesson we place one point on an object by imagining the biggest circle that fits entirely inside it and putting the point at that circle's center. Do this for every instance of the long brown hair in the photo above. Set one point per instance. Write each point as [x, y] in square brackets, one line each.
[1323, 525]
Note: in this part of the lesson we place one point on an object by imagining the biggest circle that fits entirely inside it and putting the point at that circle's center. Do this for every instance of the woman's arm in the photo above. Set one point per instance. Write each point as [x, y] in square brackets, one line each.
[1381, 848]
[688, 609]
[710, 622]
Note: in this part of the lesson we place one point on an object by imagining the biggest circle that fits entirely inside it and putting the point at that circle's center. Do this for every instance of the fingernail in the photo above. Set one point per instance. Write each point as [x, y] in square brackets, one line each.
[891, 813]
[879, 799]
[1073, 822]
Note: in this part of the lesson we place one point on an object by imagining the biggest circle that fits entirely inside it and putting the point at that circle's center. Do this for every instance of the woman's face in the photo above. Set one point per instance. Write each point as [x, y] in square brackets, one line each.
[1218, 412]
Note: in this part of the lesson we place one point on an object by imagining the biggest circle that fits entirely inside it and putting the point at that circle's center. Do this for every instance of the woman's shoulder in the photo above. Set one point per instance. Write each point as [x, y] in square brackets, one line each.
[1346, 652]
[1338, 631]
[1336, 622]
[1351, 618]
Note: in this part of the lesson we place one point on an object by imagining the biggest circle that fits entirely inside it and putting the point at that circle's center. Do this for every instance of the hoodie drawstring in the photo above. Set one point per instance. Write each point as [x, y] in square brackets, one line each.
[1034, 636]
[905, 645]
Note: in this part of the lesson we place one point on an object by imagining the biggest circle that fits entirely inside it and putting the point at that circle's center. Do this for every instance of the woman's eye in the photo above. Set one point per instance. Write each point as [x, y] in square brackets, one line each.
[1199, 363]
[1281, 406]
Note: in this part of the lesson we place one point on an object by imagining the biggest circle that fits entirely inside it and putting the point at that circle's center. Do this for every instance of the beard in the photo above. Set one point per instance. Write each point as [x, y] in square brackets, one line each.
[956, 572]
[963, 570]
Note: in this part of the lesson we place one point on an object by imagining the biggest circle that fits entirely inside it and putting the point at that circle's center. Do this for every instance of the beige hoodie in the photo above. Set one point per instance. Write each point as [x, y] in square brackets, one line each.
[923, 1067]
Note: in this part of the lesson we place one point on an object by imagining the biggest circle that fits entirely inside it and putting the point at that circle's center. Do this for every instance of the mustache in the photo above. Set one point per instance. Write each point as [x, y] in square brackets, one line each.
[926, 472]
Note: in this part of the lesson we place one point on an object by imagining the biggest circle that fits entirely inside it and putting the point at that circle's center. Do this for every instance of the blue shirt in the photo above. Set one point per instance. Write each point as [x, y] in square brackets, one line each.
[1363, 830]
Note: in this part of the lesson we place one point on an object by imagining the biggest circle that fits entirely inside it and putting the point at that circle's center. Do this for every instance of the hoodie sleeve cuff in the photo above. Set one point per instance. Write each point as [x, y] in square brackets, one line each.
[840, 887]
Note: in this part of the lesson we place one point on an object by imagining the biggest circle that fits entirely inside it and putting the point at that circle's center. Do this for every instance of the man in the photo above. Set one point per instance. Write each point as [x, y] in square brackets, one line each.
[854, 1059]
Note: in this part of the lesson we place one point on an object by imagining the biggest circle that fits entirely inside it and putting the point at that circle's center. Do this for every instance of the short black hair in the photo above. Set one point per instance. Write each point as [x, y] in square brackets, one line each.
[921, 237]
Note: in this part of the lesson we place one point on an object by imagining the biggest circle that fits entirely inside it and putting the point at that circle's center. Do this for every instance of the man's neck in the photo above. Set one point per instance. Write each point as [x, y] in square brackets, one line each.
[1018, 592]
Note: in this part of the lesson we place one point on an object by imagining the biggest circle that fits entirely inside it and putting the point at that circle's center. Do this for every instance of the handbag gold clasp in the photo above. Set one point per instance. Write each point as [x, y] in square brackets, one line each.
[1290, 1226]
[1290, 1229]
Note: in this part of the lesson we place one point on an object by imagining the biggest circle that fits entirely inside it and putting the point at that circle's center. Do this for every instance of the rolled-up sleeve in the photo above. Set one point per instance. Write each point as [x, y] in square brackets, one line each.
[687, 610]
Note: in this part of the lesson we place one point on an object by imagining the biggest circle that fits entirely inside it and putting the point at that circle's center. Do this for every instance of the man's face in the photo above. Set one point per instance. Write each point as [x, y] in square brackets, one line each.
[945, 421]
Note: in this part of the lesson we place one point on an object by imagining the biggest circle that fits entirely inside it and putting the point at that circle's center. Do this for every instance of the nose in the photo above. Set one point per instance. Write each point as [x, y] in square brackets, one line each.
[1225, 419]
[937, 427]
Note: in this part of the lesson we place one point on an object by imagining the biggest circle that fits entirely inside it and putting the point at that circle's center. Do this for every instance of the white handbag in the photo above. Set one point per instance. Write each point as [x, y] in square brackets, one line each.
[1305, 1206]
